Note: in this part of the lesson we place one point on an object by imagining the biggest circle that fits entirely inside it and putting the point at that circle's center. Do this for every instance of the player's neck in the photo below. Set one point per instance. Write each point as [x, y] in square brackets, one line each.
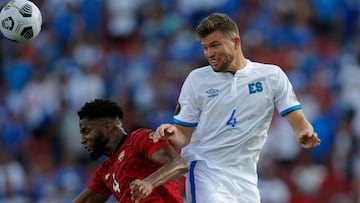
[241, 62]
[121, 142]
[238, 64]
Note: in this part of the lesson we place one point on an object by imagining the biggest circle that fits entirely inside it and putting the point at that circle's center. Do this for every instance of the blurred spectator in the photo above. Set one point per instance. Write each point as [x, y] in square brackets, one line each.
[13, 179]
[41, 99]
[272, 188]
[121, 17]
[306, 177]
[13, 134]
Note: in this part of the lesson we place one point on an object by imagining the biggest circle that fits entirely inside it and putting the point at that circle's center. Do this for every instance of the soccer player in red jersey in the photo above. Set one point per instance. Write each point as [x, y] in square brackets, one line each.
[137, 169]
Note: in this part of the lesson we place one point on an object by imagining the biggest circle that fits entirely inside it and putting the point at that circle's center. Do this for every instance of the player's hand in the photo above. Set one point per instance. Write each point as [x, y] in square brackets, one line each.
[163, 132]
[308, 139]
[140, 189]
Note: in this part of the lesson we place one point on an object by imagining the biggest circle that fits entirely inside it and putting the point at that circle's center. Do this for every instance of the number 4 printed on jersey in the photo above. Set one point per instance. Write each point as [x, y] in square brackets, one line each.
[232, 120]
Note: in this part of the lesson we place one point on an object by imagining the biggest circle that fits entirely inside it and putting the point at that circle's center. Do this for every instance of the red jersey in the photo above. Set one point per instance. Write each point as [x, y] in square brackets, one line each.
[133, 161]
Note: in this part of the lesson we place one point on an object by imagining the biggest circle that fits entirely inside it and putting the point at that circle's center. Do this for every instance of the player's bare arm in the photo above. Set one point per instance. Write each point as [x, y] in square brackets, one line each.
[89, 196]
[173, 167]
[177, 135]
[304, 131]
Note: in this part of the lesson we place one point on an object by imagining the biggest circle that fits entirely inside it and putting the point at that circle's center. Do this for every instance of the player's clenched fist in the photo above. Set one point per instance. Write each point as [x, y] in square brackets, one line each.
[140, 189]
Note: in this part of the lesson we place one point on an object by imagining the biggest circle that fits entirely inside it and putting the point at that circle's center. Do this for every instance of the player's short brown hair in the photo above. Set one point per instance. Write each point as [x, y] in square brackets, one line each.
[217, 22]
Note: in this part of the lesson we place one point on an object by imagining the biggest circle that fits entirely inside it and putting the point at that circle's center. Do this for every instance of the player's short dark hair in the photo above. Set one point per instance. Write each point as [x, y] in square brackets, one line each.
[100, 108]
[216, 22]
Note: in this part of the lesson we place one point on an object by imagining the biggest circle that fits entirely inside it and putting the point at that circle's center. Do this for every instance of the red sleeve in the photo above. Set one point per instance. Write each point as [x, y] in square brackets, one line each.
[97, 183]
[145, 143]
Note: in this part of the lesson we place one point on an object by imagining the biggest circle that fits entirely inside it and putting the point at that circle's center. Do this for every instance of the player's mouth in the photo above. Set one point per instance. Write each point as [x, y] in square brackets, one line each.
[88, 149]
[214, 62]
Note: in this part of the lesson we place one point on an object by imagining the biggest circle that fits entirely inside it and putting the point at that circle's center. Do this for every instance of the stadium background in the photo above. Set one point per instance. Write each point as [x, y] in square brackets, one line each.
[138, 52]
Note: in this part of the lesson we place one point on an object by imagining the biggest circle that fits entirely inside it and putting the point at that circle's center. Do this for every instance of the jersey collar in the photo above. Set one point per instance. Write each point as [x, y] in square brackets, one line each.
[244, 71]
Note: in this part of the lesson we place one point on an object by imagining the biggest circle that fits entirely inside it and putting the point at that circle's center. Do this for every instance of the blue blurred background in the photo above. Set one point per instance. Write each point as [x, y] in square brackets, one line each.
[138, 52]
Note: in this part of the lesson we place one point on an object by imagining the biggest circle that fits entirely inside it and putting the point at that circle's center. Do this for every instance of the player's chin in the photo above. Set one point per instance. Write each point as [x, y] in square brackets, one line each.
[309, 146]
[216, 68]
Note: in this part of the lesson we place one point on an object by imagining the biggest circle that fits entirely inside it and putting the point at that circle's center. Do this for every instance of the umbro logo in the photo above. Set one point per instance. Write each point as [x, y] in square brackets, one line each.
[212, 92]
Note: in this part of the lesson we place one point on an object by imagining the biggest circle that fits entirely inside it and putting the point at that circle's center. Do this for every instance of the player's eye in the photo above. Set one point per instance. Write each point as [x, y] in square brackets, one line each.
[85, 131]
[214, 45]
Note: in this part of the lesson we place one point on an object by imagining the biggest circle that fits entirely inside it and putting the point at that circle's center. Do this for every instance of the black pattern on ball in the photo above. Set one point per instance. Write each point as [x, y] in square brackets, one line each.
[8, 23]
[26, 10]
[27, 32]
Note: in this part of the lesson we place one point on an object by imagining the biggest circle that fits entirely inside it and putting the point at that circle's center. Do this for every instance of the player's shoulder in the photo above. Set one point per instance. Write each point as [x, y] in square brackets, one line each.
[265, 66]
[267, 70]
[141, 132]
[200, 71]
[105, 165]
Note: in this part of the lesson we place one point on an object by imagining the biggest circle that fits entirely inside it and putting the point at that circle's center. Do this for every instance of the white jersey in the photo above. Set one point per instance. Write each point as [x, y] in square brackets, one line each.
[232, 114]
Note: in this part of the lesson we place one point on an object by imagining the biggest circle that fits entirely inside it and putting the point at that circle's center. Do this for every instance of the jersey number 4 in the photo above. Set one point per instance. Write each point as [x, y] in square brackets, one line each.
[232, 120]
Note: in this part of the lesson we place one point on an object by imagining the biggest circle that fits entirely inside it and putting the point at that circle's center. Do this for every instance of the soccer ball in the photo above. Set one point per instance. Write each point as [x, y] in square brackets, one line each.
[20, 20]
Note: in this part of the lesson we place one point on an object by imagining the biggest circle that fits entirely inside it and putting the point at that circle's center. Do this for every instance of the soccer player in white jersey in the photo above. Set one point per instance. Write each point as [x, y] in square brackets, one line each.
[223, 114]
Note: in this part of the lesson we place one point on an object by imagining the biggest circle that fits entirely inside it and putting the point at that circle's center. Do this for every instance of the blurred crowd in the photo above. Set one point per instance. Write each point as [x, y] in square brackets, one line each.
[138, 53]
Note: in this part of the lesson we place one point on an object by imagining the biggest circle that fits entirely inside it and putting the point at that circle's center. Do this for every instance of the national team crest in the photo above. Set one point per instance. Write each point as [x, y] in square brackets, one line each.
[151, 135]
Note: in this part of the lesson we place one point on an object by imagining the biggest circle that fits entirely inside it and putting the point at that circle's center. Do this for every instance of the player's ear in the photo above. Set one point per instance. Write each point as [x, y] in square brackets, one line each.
[109, 126]
[237, 42]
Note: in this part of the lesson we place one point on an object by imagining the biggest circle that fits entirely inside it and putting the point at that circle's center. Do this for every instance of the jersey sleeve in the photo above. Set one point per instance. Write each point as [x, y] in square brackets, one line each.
[145, 144]
[97, 183]
[286, 100]
[187, 111]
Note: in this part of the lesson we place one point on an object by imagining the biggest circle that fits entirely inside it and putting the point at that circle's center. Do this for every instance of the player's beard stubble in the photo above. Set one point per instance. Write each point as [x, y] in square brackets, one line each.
[224, 64]
[98, 146]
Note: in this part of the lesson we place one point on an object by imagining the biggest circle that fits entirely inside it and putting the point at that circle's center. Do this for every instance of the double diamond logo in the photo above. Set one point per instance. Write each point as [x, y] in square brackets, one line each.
[212, 92]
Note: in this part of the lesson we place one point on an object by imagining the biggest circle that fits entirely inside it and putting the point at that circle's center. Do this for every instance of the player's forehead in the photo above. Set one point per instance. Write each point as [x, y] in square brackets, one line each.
[89, 123]
[216, 36]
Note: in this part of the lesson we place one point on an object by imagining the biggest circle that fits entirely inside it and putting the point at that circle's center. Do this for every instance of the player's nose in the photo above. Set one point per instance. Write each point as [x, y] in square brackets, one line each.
[209, 53]
[83, 139]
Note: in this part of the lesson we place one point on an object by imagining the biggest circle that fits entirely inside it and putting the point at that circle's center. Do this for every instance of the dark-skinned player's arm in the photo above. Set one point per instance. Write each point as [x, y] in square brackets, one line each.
[173, 167]
[304, 131]
[178, 135]
[89, 196]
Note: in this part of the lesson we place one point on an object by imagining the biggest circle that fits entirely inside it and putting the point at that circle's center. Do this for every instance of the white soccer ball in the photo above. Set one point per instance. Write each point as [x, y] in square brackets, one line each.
[20, 20]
